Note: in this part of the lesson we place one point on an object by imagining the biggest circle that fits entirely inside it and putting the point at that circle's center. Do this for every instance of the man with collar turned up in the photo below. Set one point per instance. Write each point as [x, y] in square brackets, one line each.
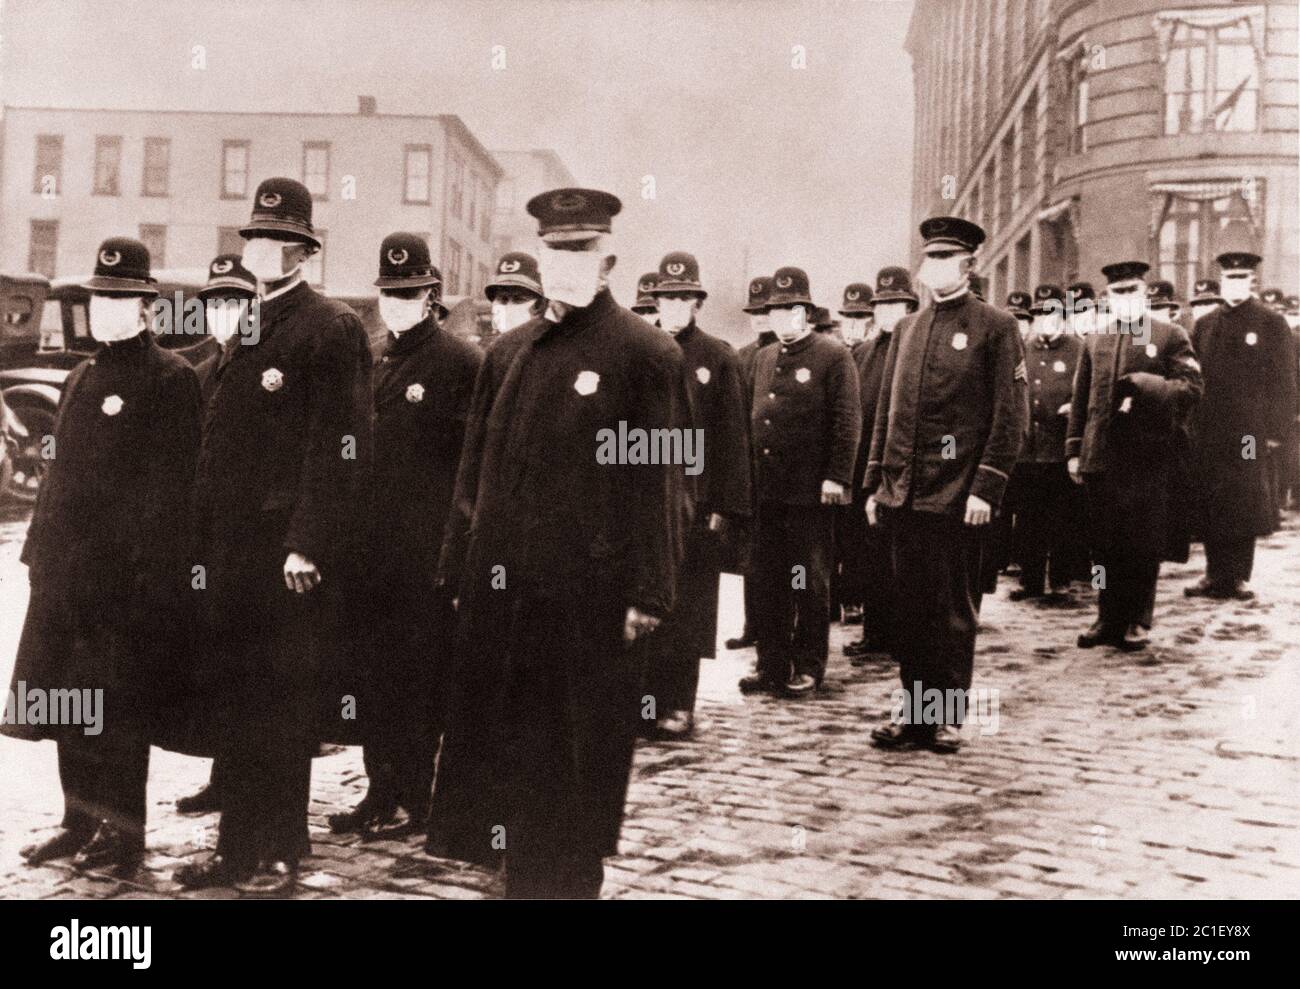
[949, 424]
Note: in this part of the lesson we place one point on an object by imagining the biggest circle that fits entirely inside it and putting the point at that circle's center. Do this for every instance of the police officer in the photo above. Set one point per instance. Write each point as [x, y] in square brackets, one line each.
[230, 320]
[570, 558]
[850, 523]
[756, 309]
[1205, 298]
[892, 300]
[1049, 508]
[805, 423]
[1080, 308]
[646, 306]
[515, 291]
[281, 492]
[1243, 424]
[1162, 301]
[1137, 382]
[422, 389]
[949, 423]
[722, 497]
[106, 561]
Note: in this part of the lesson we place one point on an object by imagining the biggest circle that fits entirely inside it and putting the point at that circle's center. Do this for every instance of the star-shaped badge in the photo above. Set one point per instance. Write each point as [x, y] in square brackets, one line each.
[112, 405]
[415, 393]
[587, 382]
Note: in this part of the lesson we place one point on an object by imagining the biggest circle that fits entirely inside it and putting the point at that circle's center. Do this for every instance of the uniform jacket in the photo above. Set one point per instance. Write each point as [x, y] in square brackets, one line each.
[107, 547]
[1247, 358]
[748, 357]
[870, 357]
[806, 419]
[953, 370]
[1051, 365]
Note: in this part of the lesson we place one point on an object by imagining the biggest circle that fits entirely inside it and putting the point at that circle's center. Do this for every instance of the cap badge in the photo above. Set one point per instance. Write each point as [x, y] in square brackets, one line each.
[938, 226]
[1043, 293]
[269, 199]
[676, 268]
[568, 202]
[702, 374]
[109, 258]
[272, 379]
[852, 294]
[1201, 286]
[508, 267]
[398, 255]
[647, 286]
[755, 288]
[959, 341]
[586, 383]
[222, 267]
[886, 281]
[112, 405]
[415, 393]
[785, 281]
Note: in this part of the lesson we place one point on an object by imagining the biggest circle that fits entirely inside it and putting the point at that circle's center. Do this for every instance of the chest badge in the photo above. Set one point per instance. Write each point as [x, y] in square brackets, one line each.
[959, 341]
[586, 383]
[272, 379]
[803, 376]
[1059, 367]
[702, 375]
[1151, 350]
[415, 393]
[112, 405]
[1252, 338]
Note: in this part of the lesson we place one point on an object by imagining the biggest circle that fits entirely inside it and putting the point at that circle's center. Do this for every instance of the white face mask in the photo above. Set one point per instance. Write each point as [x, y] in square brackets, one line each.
[1083, 321]
[224, 318]
[399, 315]
[1048, 324]
[888, 314]
[942, 275]
[115, 318]
[675, 314]
[789, 325]
[1292, 320]
[1235, 288]
[264, 258]
[854, 328]
[1129, 307]
[506, 317]
[1202, 310]
[571, 277]
[758, 323]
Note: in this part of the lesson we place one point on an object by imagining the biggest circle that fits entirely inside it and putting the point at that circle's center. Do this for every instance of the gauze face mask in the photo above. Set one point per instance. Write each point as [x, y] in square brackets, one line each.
[264, 257]
[854, 328]
[1083, 321]
[942, 275]
[758, 323]
[888, 314]
[675, 314]
[506, 316]
[789, 324]
[114, 318]
[1235, 288]
[224, 317]
[1129, 307]
[1048, 324]
[399, 315]
[1292, 320]
[571, 277]
[1204, 309]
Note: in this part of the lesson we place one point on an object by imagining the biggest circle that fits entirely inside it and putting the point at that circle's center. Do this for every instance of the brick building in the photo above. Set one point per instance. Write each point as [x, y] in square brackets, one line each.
[525, 174]
[1078, 132]
[183, 183]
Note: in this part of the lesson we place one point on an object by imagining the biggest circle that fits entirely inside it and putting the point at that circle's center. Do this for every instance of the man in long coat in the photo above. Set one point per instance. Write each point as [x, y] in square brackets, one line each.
[568, 558]
[282, 487]
[722, 497]
[1136, 385]
[422, 388]
[105, 552]
[1243, 426]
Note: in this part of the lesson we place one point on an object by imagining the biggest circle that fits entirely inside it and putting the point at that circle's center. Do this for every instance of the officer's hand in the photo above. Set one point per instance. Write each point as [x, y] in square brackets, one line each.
[1126, 405]
[300, 574]
[717, 523]
[1072, 465]
[636, 624]
[1272, 444]
[1064, 410]
[978, 511]
[873, 516]
[832, 493]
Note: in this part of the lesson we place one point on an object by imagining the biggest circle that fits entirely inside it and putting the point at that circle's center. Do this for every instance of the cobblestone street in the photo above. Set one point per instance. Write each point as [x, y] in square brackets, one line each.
[1169, 773]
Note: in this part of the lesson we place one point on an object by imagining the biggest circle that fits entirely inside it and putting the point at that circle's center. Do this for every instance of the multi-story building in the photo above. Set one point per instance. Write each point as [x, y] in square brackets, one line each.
[525, 174]
[1079, 132]
[183, 183]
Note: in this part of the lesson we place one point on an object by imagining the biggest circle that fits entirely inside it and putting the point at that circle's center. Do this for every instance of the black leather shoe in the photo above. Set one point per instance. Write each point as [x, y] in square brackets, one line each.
[1134, 639]
[1098, 634]
[1203, 588]
[1238, 592]
[111, 848]
[60, 845]
[757, 683]
[272, 879]
[205, 801]
[852, 616]
[856, 648]
[677, 726]
[399, 824]
[945, 740]
[213, 871]
[740, 642]
[1025, 594]
[799, 685]
[896, 736]
[366, 816]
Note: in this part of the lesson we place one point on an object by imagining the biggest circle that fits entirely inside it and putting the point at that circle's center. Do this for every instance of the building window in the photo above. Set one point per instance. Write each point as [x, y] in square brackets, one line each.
[154, 237]
[316, 168]
[108, 165]
[43, 249]
[157, 163]
[456, 193]
[485, 216]
[229, 241]
[1028, 149]
[1211, 72]
[471, 212]
[1193, 222]
[48, 177]
[1006, 162]
[990, 202]
[451, 269]
[1077, 109]
[417, 168]
[313, 271]
[234, 169]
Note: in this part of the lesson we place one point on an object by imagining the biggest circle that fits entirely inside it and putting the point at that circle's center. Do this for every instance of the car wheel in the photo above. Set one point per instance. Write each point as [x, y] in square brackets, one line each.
[28, 464]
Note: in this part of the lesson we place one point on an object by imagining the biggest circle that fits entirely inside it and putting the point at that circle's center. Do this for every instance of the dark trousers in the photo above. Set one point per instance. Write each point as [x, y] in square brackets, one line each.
[793, 555]
[1229, 560]
[850, 555]
[104, 779]
[264, 806]
[1129, 595]
[879, 609]
[1048, 523]
[937, 569]
[749, 582]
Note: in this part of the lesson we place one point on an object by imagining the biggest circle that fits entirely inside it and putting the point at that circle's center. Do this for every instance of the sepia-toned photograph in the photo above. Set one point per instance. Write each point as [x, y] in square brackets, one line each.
[840, 450]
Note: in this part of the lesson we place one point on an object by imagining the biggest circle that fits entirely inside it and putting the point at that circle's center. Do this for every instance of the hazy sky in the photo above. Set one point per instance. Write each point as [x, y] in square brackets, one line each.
[807, 166]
